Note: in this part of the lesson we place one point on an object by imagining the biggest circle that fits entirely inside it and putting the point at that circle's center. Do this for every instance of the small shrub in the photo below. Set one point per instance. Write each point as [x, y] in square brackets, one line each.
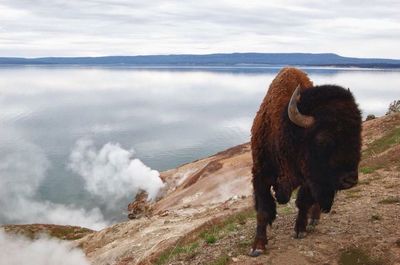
[394, 107]
[370, 117]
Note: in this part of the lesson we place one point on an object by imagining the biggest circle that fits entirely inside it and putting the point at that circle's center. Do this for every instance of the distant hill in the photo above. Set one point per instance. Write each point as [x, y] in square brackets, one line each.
[219, 59]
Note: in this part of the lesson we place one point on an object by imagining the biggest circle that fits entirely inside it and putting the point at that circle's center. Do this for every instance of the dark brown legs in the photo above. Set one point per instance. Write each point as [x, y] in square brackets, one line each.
[266, 213]
[315, 214]
[307, 207]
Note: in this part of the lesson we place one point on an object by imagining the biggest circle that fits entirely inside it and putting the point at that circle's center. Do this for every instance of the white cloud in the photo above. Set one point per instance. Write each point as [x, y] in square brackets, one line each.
[106, 27]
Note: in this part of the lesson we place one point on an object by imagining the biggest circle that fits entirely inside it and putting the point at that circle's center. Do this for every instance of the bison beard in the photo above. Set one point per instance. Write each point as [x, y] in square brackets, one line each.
[303, 136]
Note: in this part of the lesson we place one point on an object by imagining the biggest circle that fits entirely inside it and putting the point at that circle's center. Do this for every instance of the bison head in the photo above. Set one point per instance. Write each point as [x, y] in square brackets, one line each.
[326, 131]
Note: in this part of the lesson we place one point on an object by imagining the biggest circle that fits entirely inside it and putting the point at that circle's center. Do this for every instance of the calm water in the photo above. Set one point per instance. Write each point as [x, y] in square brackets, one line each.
[167, 116]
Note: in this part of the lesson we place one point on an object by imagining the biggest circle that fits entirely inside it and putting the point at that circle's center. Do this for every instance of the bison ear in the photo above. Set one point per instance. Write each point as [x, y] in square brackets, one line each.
[294, 114]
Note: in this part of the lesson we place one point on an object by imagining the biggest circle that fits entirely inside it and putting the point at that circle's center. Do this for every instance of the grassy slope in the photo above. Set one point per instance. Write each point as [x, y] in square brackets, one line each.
[361, 229]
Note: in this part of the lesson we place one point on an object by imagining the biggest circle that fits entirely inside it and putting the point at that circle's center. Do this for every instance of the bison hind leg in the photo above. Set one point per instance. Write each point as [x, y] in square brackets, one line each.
[266, 213]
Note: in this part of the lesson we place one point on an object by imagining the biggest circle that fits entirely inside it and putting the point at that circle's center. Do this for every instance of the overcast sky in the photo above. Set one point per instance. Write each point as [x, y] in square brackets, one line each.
[34, 28]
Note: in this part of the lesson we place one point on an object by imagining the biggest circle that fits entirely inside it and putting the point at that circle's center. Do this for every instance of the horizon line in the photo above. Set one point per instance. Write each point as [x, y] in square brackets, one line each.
[199, 54]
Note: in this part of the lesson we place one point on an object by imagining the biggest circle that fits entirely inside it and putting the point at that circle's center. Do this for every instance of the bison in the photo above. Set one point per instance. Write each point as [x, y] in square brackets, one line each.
[302, 136]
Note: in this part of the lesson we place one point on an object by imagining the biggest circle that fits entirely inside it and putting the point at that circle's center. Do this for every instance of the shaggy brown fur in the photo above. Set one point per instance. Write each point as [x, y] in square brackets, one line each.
[267, 125]
[321, 158]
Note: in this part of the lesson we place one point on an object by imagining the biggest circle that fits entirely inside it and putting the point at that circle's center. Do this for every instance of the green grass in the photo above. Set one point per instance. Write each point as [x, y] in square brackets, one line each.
[390, 200]
[209, 238]
[357, 256]
[209, 235]
[285, 210]
[367, 170]
[177, 250]
[230, 224]
[388, 140]
[231, 227]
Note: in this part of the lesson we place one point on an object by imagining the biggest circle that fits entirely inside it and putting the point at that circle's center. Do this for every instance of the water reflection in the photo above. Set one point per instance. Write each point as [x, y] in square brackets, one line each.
[160, 113]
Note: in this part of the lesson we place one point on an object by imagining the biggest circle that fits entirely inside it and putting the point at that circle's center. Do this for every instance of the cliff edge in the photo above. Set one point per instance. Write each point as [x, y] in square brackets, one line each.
[206, 216]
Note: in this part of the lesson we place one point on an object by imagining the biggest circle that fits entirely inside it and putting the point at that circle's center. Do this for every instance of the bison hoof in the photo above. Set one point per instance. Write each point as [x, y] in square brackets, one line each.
[313, 223]
[256, 252]
[299, 235]
[258, 247]
[310, 228]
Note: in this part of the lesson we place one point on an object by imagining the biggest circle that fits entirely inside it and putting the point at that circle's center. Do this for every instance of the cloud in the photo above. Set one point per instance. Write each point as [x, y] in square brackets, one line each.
[111, 173]
[23, 167]
[17, 250]
[104, 27]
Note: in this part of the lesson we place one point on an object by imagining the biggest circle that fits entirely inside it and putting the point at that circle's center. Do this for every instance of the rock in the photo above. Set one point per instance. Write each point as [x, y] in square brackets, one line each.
[164, 213]
[140, 206]
[309, 253]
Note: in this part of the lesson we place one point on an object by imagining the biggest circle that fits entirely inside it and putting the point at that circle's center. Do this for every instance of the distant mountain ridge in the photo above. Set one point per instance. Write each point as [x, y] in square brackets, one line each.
[218, 59]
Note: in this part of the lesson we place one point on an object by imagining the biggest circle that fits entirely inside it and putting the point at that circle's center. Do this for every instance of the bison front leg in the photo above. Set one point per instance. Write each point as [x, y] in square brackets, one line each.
[266, 213]
[315, 214]
[304, 202]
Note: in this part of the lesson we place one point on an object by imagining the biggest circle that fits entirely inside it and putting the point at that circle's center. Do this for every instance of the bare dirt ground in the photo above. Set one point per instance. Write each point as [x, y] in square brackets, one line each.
[206, 216]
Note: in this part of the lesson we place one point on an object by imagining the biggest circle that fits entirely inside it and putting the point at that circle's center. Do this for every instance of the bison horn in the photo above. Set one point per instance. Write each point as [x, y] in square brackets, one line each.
[294, 114]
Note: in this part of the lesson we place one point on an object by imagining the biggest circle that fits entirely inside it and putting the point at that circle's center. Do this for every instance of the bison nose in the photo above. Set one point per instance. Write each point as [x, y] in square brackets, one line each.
[348, 180]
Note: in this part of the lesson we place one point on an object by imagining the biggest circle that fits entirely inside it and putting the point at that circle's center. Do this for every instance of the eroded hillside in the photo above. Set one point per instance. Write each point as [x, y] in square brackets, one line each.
[206, 216]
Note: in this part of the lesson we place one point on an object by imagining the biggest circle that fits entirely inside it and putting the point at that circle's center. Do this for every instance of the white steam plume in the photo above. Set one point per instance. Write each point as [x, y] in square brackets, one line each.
[23, 167]
[18, 250]
[112, 173]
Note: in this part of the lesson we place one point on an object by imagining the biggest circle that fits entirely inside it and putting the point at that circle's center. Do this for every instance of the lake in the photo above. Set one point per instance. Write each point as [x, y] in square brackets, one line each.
[163, 116]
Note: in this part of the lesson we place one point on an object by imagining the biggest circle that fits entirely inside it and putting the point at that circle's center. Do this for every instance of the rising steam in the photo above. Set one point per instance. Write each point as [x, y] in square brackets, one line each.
[22, 251]
[112, 173]
[23, 167]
